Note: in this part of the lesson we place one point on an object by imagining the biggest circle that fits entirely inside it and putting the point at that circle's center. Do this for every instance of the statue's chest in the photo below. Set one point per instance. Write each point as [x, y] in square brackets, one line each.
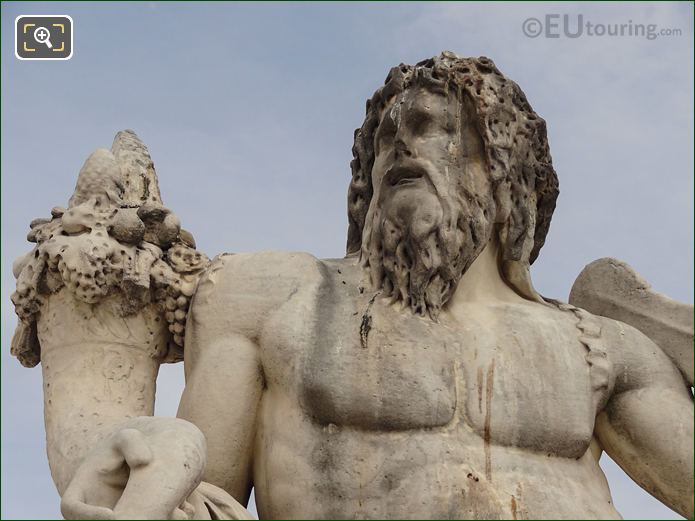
[526, 382]
[514, 379]
[380, 368]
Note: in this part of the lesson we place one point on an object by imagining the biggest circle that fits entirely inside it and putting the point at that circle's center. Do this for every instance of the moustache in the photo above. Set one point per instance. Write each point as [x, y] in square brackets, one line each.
[406, 172]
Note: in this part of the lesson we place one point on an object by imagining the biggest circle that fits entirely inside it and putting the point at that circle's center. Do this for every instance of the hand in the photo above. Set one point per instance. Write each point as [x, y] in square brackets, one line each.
[145, 470]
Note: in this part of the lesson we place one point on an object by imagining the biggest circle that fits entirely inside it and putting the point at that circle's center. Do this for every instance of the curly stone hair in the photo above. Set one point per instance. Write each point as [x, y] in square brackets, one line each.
[515, 142]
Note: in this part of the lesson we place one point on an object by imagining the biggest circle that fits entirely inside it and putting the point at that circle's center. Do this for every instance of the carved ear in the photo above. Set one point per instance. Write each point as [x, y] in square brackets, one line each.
[503, 202]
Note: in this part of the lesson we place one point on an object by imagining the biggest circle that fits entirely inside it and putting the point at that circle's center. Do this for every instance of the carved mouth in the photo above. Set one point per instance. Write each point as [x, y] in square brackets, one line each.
[407, 180]
[405, 174]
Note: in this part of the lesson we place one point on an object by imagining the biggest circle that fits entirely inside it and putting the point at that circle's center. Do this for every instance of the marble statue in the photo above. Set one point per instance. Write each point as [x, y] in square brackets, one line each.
[420, 376]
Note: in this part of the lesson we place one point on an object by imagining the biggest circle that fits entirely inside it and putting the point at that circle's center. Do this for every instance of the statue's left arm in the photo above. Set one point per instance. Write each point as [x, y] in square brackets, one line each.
[647, 424]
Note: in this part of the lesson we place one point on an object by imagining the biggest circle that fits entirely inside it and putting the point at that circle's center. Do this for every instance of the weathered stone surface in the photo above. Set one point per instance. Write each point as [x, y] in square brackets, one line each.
[421, 376]
[127, 227]
[610, 288]
[162, 227]
[100, 246]
[139, 180]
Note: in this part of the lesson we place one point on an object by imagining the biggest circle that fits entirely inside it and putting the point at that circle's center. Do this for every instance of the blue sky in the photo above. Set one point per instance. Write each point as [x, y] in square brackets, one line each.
[248, 111]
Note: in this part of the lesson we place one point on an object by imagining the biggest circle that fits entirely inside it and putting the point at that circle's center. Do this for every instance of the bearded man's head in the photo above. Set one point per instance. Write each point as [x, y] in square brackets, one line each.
[449, 153]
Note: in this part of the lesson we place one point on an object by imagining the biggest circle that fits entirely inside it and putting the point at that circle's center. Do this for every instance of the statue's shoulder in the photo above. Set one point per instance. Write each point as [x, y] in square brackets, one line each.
[638, 361]
[619, 338]
[619, 354]
[263, 270]
[640, 318]
[630, 346]
[612, 335]
[249, 286]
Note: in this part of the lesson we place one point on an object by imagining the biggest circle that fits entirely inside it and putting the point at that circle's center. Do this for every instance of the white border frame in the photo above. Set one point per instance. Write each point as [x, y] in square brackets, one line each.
[72, 36]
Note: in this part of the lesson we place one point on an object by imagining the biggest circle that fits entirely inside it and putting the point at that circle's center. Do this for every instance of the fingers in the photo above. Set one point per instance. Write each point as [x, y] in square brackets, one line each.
[152, 492]
[73, 505]
[72, 508]
[140, 473]
[179, 514]
[134, 447]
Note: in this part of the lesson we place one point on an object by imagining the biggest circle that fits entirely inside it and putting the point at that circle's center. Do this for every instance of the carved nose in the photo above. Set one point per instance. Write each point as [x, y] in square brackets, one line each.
[401, 149]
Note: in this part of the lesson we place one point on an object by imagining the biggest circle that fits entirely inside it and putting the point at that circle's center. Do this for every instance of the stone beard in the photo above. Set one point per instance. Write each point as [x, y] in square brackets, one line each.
[420, 240]
[450, 153]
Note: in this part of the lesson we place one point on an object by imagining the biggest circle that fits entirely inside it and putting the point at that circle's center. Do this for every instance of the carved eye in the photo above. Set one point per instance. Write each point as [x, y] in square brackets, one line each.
[422, 121]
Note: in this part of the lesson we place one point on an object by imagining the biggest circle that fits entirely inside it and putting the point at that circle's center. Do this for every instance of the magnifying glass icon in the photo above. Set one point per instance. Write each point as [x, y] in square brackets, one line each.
[43, 35]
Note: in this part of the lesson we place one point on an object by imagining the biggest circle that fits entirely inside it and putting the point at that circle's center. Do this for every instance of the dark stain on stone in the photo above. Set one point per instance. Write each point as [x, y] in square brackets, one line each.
[365, 327]
[488, 407]
[292, 294]
[145, 188]
[366, 324]
[514, 510]
[480, 390]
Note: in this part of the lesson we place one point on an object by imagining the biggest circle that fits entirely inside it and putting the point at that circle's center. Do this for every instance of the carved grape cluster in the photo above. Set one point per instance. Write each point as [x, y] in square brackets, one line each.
[77, 250]
[115, 238]
[176, 279]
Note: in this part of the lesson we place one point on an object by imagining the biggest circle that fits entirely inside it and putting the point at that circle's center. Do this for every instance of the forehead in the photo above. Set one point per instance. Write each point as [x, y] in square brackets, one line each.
[416, 98]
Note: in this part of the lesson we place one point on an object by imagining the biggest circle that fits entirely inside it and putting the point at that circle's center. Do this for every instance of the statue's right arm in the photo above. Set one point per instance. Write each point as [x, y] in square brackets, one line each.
[224, 378]
[231, 314]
